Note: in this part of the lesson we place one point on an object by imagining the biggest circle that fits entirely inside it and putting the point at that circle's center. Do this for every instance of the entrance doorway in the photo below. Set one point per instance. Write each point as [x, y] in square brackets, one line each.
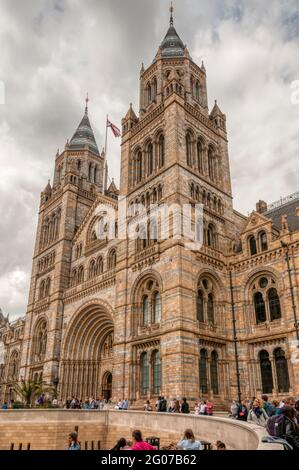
[107, 386]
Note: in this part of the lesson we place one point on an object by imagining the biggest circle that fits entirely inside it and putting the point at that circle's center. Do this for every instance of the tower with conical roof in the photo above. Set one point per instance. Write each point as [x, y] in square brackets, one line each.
[78, 179]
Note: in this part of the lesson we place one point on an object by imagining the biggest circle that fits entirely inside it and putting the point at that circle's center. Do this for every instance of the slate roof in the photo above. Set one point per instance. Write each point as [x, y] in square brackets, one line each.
[288, 208]
[84, 136]
[172, 45]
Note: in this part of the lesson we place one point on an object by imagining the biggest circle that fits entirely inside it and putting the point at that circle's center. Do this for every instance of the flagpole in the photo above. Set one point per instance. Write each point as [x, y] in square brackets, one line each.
[105, 152]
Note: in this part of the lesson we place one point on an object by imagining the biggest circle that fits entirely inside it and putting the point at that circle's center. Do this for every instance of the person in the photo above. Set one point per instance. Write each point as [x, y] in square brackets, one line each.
[171, 406]
[4, 406]
[139, 443]
[121, 445]
[234, 410]
[147, 406]
[68, 403]
[177, 408]
[196, 408]
[125, 404]
[162, 405]
[54, 402]
[220, 445]
[74, 444]
[185, 406]
[268, 407]
[291, 429]
[188, 442]
[257, 414]
[209, 408]
[242, 411]
[203, 408]
[73, 403]
[290, 401]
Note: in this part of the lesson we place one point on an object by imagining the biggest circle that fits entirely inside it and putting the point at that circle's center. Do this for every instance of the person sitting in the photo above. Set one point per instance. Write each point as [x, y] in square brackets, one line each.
[74, 444]
[220, 445]
[139, 443]
[121, 445]
[147, 406]
[188, 442]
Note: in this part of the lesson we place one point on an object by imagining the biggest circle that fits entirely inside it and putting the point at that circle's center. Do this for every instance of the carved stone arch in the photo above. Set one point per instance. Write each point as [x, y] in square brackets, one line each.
[35, 354]
[214, 277]
[258, 272]
[149, 273]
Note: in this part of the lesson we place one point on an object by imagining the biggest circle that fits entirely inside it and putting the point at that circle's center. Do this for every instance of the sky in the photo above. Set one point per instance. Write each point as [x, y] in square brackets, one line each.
[52, 52]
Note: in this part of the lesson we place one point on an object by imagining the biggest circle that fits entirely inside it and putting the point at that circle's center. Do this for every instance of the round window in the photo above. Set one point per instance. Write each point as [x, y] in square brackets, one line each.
[263, 282]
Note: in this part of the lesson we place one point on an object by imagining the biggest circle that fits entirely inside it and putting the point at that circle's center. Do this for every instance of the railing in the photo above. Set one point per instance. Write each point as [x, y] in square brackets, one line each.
[283, 201]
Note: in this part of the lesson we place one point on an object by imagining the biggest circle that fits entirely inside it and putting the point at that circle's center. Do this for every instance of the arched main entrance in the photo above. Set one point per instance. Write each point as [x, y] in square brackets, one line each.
[87, 353]
[107, 386]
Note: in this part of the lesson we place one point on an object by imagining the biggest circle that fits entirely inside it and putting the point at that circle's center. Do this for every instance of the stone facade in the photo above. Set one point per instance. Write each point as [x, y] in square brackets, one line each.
[138, 318]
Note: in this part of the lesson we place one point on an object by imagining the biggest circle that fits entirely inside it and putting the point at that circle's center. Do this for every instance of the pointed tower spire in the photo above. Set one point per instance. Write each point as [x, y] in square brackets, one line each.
[84, 134]
[171, 14]
[86, 107]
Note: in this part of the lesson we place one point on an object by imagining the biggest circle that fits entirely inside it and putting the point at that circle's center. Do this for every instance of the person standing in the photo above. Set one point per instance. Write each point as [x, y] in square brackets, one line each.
[209, 408]
[185, 406]
[257, 414]
[242, 411]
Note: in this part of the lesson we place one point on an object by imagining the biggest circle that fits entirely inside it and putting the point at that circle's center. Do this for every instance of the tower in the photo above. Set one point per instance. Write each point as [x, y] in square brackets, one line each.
[175, 152]
[78, 178]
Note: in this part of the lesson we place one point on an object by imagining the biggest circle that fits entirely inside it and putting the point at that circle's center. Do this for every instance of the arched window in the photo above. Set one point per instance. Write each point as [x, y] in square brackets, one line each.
[74, 277]
[161, 150]
[200, 154]
[282, 373]
[139, 166]
[214, 372]
[252, 245]
[156, 307]
[144, 376]
[78, 165]
[154, 88]
[150, 159]
[200, 307]
[274, 304]
[90, 172]
[80, 274]
[260, 308]
[156, 372]
[95, 179]
[189, 149]
[211, 162]
[153, 231]
[210, 308]
[92, 269]
[266, 372]
[145, 311]
[197, 91]
[41, 294]
[263, 241]
[112, 260]
[47, 287]
[40, 342]
[148, 93]
[99, 266]
[211, 237]
[203, 376]
[14, 366]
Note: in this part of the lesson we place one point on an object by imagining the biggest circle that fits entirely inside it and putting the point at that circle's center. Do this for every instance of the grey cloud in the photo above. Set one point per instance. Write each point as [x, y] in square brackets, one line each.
[54, 51]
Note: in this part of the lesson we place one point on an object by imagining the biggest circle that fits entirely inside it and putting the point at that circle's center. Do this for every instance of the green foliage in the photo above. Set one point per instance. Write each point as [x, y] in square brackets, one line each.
[30, 390]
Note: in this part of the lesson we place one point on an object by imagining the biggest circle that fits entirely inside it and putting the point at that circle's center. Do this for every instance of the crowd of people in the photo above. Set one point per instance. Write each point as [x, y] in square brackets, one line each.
[280, 418]
[201, 407]
[187, 442]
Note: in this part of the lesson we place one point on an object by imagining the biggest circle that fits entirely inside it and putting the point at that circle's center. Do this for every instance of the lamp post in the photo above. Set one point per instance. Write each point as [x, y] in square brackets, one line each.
[235, 336]
[287, 258]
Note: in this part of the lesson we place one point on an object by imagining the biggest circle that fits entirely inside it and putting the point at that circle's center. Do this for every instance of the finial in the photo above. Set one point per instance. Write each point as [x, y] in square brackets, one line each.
[86, 100]
[131, 105]
[171, 14]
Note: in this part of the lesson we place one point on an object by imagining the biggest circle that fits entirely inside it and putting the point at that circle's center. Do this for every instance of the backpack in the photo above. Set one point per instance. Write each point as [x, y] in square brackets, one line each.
[276, 426]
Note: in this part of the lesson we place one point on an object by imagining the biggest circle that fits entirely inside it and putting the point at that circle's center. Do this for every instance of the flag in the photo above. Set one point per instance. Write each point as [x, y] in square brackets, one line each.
[114, 129]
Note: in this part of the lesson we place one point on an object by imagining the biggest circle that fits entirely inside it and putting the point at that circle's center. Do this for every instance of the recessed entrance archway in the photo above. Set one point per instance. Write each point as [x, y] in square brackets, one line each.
[85, 353]
[107, 386]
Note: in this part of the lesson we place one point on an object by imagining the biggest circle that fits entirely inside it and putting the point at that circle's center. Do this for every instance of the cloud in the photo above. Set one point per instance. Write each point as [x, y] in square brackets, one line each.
[54, 51]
